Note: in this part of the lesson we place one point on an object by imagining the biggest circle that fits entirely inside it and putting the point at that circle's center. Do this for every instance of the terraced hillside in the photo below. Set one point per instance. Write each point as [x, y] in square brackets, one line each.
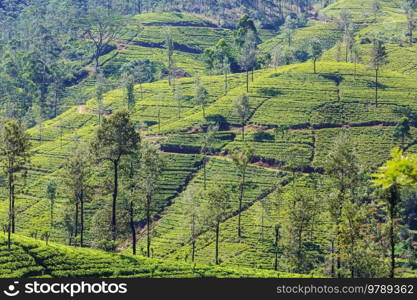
[35, 259]
[315, 121]
[295, 116]
[389, 23]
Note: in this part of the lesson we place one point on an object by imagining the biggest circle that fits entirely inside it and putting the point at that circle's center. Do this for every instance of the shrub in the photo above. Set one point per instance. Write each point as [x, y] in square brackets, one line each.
[263, 136]
[105, 245]
[218, 120]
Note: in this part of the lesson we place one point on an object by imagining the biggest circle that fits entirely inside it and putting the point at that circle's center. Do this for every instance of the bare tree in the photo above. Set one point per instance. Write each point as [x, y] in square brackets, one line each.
[103, 29]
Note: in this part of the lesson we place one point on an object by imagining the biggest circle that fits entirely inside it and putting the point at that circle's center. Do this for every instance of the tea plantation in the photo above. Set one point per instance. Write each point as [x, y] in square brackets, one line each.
[294, 117]
[34, 259]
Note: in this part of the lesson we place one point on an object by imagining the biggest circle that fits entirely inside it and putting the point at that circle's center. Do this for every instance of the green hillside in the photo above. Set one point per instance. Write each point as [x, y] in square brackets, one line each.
[33, 259]
[304, 130]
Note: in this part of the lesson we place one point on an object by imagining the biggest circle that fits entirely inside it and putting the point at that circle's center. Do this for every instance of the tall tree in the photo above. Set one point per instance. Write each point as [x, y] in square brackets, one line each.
[247, 59]
[115, 138]
[169, 45]
[130, 169]
[402, 130]
[397, 173]
[218, 206]
[215, 57]
[346, 28]
[150, 170]
[226, 71]
[140, 71]
[409, 7]
[192, 215]
[129, 86]
[316, 50]
[276, 58]
[376, 8]
[277, 236]
[342, 174]
[100, 89]
[359, 247]
[301, 209]
[246, 26]
[51, 195]
[242, 109]
[242, 159]
[201, 95]
[102, 29]
[356, 58]
[378, 59]
[288, 31]
[207, 141]
[15, 155]
[77, 175]
[178, 98]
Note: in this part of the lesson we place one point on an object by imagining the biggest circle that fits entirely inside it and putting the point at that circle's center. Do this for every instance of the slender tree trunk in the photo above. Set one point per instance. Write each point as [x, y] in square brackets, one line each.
[243, 131]
[193, 251]
[193, 239]
[132, 228]
[338, 263]
[315, 68]
[376, 86]
[276, 248]
[61, 134]
[115, 193]
[82, 219]
[13, 206]
[9, 226]
[241, 194]
[205, 172]
[332, 271]
[392, 244]
[52, 212]
[159, 120]
[347, 53]
[148, 224]
[247, 80]
[217, 242]
[394, 197]
[76, 218]
[262, 224]
[225, 83]
[356, 67]
[96, 60]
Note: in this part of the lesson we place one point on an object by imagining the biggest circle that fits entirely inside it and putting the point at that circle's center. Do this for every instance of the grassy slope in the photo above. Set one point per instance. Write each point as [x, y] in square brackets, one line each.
[390, 23]
[311, 145]
[31, 258]
[191, 35]
[316, 106]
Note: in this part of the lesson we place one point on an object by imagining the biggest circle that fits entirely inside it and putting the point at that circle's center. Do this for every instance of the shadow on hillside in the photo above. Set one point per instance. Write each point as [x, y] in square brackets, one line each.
[337, 78]
[271, 92]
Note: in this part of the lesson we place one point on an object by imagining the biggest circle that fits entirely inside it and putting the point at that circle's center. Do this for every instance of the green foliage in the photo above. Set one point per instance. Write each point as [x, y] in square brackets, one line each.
[292, 117]
[402, 130]
[400, 170]
[301, 210]
[201, 96]
[30, 258]
[115, 138]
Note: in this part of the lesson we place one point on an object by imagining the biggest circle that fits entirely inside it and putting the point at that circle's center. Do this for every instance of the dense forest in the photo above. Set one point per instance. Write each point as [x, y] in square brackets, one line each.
[208, 138]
